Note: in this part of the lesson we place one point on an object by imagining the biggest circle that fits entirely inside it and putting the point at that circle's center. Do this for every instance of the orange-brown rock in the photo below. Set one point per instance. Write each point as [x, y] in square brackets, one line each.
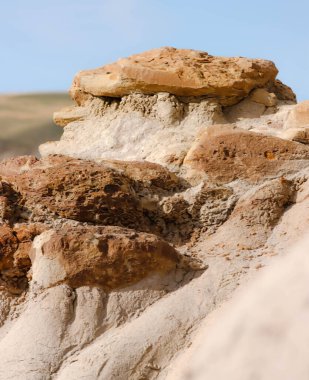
[8, 201]
[110, 192]
[79, 190]
[282, 91]
[226, 153]
[112, 257]
[25, 234]
[15, 244]
[8, 245]
[181, 72]
[16, 165]
[148, 174]
[9, 197]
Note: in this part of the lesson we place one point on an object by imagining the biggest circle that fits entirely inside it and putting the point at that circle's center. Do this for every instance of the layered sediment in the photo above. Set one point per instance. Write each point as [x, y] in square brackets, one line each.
[178, 177]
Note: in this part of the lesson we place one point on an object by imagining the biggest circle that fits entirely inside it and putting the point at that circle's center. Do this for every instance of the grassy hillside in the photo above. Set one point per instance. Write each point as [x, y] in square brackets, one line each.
[26, 121]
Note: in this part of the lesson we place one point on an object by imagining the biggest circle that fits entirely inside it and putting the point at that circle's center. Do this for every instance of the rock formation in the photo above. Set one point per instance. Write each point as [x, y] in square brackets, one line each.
[270, 317]
[176, 71]
[178, 177]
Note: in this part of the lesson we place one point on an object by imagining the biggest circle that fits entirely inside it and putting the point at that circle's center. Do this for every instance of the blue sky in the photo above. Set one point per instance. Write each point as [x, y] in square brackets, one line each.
[45, 42]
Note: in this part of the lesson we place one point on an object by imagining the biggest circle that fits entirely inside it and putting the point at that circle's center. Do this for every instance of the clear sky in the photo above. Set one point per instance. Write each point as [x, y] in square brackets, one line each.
[45, 42]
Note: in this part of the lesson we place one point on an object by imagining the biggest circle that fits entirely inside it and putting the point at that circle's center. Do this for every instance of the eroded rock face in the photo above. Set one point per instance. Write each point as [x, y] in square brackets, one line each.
[261, 95]
[252, 220]
[79, 190]
[268, 315]
[158, 128]
[8, 200]
[163, 98]
[246, 109]
[151, 214]
[15, 245]
[299, 116]
[141, 195]
[110, 257]
[226, 153]
[282, 91]
[200, 209]
[296, 134]
[147, 174]
[176, 71]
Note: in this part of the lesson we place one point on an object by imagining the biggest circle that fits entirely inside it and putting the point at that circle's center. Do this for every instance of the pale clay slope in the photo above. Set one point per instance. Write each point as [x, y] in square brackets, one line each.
[226, 218]
[261, 334]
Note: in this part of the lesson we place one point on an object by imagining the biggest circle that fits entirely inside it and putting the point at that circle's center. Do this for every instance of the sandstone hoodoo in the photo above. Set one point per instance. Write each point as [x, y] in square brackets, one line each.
[178, 177]
[181, 72]
[151, 106]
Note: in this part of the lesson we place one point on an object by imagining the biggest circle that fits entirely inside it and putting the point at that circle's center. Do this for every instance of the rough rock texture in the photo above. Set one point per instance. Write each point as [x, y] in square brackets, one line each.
[158, 128]
[8, 198]
[226, 153]
[79, 190]
[116, 257]
[15, 246]
[252, 220]
[180, 72]
[163, 98]
[282, 91]
[120, 244]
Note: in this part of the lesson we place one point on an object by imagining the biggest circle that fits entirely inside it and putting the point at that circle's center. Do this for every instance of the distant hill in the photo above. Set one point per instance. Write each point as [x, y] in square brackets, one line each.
[26, 121]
